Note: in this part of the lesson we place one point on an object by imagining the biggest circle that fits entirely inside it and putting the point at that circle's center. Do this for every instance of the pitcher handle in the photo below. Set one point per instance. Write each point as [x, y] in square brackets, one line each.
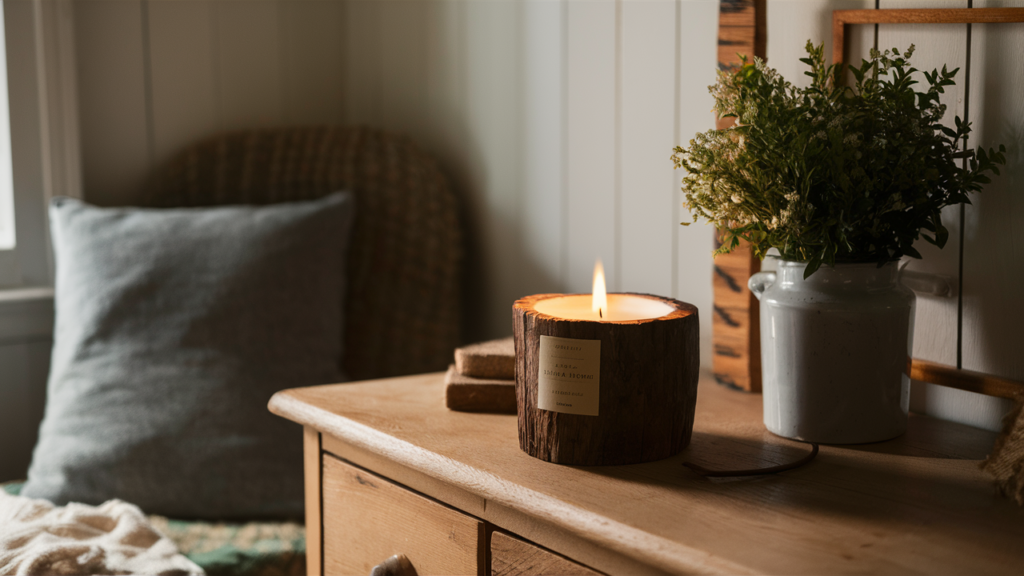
[760, 282]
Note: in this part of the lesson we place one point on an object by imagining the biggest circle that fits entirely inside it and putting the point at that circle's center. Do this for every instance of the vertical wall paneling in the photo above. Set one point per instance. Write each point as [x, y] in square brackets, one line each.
[495, 129]
[445, 130]
[590, 160]
[112, 100]
[935, 334]
[616, 271]
[363, 62]
[247, 44]
[184, 75]
[994, 248]
[446, 85]
[936, 45]
[697, 59]
[543, 116]
[404, 67]
[993, 268]
[648, 84]
[989, 341]
[449, 139]
[553, 119]
[312, 61]
[791, 23]
[449, 76]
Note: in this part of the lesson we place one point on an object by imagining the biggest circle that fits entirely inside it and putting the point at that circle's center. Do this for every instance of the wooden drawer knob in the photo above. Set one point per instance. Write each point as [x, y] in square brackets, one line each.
[397, 565]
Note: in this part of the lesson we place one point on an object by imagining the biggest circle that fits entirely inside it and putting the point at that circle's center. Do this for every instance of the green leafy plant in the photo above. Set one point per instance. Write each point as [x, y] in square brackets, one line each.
[832, 173]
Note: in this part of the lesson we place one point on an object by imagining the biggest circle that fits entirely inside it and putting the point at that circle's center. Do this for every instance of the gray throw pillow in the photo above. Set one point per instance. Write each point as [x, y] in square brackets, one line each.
[174, 328]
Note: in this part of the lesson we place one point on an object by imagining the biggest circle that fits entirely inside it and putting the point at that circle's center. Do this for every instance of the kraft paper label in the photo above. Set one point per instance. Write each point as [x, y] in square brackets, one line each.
[570, 375]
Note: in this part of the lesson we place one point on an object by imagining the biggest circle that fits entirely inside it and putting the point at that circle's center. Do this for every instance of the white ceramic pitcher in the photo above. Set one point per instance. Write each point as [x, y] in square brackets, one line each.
[835, 352]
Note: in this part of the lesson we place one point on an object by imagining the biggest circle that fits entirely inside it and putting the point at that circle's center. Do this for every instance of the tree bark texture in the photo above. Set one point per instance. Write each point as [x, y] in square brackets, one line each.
[648, 387]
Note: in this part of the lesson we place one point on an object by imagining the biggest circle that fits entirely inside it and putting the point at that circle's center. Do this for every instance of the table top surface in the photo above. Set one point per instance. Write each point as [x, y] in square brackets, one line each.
[916, 504]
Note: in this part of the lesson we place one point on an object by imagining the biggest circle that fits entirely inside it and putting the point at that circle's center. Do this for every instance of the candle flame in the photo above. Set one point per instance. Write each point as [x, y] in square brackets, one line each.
[600, 301]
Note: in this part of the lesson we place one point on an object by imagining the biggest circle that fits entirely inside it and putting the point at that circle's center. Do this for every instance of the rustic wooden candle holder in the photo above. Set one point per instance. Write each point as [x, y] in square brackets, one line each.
[647, 387]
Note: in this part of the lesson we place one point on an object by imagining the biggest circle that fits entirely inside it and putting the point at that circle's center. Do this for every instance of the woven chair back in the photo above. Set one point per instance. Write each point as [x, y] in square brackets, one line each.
[402, 302]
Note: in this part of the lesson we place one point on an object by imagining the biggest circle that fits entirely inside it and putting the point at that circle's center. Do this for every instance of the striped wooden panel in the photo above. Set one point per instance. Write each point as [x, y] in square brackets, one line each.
[736, 340]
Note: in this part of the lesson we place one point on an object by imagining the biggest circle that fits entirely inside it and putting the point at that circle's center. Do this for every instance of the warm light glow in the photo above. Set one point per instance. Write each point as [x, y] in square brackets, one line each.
[621, 308]
[600, 298]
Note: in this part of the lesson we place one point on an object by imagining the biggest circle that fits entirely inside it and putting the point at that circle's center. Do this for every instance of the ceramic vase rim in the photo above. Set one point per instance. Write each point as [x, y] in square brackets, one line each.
[803, 264]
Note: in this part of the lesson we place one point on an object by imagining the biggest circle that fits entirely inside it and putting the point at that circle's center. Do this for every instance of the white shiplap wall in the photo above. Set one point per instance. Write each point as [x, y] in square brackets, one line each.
[554, 120]
[993, 246]
[993, 258]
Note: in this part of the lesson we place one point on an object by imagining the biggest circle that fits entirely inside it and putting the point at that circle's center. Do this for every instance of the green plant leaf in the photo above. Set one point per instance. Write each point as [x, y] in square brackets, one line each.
[830, 172]
[812, 267]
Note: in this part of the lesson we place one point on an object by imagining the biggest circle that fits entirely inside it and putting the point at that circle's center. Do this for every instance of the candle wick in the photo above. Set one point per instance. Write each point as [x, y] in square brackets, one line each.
[600, 313]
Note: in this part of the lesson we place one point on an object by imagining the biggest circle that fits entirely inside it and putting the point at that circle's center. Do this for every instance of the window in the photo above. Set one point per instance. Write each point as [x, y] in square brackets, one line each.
[9, 273]
[38, 133]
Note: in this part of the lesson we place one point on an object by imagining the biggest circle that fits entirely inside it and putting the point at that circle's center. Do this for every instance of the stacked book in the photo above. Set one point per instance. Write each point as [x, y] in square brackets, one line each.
[483, 378]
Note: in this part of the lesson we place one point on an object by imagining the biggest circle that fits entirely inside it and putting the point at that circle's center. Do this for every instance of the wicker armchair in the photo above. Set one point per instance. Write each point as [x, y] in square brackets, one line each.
[403, 305]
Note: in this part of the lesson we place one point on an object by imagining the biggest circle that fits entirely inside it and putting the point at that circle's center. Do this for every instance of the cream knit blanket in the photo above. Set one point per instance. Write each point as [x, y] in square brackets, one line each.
[37, 537]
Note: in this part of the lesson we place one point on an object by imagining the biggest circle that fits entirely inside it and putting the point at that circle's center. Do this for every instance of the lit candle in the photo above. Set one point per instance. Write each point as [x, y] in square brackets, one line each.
[605, 379]
[599, 306]
[600, 295]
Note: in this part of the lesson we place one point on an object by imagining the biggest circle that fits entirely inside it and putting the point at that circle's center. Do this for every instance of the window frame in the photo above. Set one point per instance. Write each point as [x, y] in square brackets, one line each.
[45, 146]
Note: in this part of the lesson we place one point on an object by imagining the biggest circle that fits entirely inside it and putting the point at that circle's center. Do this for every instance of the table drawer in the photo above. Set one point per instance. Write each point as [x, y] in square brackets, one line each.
[367, 519]
[511, 556]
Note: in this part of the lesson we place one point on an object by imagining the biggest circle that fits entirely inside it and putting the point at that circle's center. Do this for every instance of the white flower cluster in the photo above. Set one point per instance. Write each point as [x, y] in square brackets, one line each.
[796, 213]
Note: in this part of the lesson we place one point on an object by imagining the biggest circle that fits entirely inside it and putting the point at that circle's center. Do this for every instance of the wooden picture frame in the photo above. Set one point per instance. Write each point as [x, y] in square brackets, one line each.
[923, 370]
[843, 18]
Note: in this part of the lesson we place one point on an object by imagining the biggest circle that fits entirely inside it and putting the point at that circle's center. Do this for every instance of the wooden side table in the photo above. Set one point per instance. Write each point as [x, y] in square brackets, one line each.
[389, 470]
